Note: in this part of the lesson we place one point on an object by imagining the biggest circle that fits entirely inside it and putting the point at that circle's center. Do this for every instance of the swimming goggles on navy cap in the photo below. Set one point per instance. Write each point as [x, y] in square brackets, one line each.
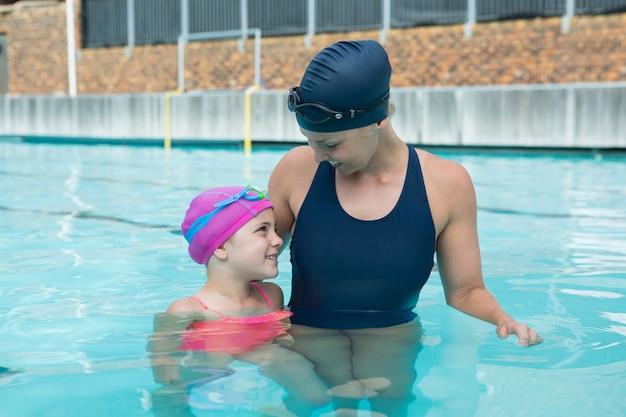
[317, 113]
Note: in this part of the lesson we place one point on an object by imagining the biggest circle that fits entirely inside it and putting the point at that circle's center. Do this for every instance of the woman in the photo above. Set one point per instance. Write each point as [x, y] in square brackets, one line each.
[366, 214]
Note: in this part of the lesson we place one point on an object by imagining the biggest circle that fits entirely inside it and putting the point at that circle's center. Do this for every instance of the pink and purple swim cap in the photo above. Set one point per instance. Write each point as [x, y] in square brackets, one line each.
[216, 214]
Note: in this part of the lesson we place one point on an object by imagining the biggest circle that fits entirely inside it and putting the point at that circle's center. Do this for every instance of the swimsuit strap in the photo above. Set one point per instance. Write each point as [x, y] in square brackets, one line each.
[254, 284]
[267, 299]
[206, 307]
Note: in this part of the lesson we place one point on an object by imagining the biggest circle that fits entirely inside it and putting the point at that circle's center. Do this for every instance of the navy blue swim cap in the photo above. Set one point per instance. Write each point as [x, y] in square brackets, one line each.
[350, 78]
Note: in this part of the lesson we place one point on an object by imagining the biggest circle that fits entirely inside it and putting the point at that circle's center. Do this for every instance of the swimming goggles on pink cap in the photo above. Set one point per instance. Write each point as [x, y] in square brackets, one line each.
[318, 113]
[248, 192]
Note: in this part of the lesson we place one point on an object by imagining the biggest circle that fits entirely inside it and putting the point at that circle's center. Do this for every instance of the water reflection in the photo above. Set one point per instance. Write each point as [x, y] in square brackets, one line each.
[183, 369]
[377, 365]
[321, 372]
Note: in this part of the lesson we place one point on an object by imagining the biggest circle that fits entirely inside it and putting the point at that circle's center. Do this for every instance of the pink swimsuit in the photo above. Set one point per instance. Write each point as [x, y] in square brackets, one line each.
[235, 334]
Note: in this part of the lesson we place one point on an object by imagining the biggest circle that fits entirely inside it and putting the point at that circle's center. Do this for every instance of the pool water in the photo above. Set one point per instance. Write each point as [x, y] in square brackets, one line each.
[90, 251]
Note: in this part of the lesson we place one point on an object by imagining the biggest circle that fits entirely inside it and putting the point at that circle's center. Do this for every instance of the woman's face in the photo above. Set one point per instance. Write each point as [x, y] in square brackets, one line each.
[347, 151]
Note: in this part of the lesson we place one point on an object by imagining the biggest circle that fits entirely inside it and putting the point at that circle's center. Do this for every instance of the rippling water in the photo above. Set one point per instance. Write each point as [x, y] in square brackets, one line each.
[90, 252]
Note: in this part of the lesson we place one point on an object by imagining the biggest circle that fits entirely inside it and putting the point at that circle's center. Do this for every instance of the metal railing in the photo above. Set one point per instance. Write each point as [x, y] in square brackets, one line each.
[146, 22]
[183, 39]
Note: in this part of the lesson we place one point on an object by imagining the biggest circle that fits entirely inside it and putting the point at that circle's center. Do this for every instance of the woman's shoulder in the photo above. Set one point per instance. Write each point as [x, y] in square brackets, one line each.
[297, 157]
[441, 172]
[292, 175]
[449, 188]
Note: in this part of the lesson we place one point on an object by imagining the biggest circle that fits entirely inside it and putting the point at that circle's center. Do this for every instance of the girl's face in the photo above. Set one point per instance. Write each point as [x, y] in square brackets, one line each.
[347, 151]
[253, 250]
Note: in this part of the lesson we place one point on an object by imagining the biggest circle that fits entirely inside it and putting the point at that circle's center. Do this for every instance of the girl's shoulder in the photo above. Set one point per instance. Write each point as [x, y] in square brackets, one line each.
[273, 292]
[183, 305]
[187, 306]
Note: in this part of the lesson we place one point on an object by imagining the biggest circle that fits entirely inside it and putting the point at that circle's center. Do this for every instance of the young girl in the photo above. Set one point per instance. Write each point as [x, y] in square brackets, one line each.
[235, 315]
[231, 230]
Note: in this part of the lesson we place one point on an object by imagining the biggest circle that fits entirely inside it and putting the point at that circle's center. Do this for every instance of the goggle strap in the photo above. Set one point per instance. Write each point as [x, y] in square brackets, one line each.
[296, 106]
[203, 220]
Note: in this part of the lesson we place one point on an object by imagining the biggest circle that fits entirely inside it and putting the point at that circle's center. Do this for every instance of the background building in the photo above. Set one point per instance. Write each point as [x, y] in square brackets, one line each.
[130, 46]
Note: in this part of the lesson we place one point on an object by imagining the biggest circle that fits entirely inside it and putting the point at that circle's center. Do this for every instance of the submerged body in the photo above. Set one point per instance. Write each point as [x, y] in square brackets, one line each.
[234, 335]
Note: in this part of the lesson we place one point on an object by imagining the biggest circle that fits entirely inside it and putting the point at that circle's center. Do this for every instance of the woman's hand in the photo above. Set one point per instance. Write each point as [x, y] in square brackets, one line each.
[526, 336]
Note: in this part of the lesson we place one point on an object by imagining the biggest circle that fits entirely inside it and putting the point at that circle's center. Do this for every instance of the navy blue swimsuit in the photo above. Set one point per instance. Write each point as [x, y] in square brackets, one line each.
[349, 273]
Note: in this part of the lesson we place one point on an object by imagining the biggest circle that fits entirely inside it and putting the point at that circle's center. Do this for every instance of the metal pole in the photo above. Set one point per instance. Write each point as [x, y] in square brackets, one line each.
[257, 57]
[130, 5]
[71, 47]
[386, 20]
[130, 26]
[181, 62]
[182, 40]
[566, 19]
[471, 18]
[308, 38]
[184, 18]
[247, 140]
[244, 24]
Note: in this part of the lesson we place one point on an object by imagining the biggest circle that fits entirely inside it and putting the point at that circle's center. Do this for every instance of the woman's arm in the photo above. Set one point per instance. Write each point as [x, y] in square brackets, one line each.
[458, 260]
[288, 186]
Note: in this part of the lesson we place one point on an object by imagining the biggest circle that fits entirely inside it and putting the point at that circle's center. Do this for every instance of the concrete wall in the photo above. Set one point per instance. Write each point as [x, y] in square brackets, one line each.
[561, 116]
[106, 116]
[570, 115]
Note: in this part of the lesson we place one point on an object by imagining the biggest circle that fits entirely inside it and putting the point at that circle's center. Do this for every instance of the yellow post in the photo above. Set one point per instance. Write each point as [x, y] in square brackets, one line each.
[247, 140]
[167, 140]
